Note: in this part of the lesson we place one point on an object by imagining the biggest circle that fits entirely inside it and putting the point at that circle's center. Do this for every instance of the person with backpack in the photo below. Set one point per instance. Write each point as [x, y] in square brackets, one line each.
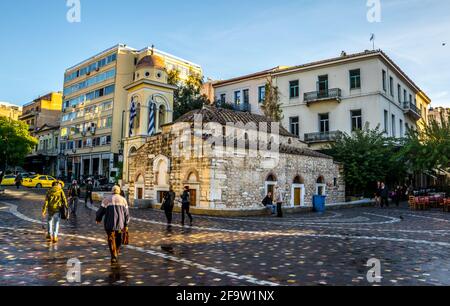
[55, 199]
[74, 197]
[114, 211]
[185, 206]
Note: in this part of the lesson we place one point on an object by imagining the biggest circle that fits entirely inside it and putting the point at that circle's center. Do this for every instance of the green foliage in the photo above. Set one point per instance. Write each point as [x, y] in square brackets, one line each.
[187, 96]
[272, 105]
[368, 156]
[429, 149]
[15, 142]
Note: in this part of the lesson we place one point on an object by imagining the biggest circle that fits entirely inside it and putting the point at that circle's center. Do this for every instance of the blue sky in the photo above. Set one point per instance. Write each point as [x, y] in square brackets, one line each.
[228, 38]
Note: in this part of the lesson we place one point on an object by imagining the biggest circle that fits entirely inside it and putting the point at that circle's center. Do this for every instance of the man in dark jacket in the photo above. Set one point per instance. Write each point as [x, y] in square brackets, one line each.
[114, 209]
[384, 194]
[18, 181]
[89, 190]
[74, 197]
[168, 204]
[185, 205]
[268, 203]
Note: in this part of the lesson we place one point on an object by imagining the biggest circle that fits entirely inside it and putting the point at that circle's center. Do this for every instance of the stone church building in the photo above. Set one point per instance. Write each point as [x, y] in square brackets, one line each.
[228, 159]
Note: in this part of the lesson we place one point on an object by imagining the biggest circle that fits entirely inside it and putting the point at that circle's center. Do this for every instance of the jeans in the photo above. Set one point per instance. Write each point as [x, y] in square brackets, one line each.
[272, 209]
[168, 213]
[73, 204]
[53, 224]
[88, 196]
[280, 210]
[185, 209]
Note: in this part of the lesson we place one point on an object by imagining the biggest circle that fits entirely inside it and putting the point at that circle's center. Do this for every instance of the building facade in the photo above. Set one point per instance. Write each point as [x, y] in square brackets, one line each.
[95, 109]
[45, 110]
[439, 114]
[43, 159]
[342, 94]
[10, 111]
[245, 93]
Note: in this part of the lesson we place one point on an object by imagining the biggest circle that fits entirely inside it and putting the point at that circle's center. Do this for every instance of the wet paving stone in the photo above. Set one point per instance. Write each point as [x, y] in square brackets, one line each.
[304, 249]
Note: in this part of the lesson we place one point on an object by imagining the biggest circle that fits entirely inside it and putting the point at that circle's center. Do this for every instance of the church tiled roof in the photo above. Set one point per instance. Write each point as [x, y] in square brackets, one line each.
[224, 116]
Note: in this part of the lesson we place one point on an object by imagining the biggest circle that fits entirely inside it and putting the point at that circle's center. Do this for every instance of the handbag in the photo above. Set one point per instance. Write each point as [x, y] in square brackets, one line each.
[64, 211]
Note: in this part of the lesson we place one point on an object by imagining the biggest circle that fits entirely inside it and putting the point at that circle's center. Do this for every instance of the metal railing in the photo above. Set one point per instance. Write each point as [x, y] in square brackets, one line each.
[242, 107]
[334, 93]
[409, 106]
[321, 137]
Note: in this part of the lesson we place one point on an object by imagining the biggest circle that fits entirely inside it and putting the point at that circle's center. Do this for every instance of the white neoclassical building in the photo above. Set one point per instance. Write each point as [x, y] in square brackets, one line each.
[341, 94]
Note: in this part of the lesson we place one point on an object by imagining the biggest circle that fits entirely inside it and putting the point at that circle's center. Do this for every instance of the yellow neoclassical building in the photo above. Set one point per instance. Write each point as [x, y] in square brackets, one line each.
[96, 106]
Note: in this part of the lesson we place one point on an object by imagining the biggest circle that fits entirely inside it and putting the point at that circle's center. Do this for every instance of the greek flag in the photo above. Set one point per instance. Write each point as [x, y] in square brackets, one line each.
[133, 114]
[151, 119]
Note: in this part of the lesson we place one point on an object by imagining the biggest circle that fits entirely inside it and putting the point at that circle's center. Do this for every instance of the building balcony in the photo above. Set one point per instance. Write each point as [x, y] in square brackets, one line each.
[27, 115]
[334, 94]
[243, 107]
[321, 137]
[412, 110]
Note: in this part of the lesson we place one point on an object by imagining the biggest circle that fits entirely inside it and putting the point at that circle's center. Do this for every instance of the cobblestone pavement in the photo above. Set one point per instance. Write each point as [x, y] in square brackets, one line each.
[302, 249]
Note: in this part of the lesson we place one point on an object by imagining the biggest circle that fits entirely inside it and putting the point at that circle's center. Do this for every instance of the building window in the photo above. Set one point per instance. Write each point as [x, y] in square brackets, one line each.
[294, 126]
[223, 98]
[399, 91]
[294, 89]
[405, 96]
[324, 123]
[355, 79]
[356, 120]
[261, 94]
[386, 119]
[322, 84]
[411, 99]
[246, 96]
[393, 126]
[391, 86]
[401, 128]
[384, 80]
[237, 97]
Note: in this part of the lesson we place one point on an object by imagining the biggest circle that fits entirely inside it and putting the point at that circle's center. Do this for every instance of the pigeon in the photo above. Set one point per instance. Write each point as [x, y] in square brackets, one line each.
[401, 218]
[444, 44]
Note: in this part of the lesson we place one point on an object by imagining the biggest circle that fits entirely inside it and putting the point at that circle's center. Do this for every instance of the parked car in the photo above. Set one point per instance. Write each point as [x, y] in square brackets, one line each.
[40, 181]
[8, 180]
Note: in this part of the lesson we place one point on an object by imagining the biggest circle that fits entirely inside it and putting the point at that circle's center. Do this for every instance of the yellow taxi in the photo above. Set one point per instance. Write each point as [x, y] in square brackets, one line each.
[40, 181]
[8, 180]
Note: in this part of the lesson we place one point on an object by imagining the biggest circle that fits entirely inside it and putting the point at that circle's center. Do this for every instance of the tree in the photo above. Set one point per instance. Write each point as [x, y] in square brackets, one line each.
[271, 105]
[15, 142]
[367, 156]
[187, 96]
[428, 149]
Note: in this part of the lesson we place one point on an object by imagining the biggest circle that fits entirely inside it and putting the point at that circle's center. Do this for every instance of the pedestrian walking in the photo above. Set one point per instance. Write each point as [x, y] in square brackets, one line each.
[279, 200]
[378, 195]
[268, 203]
[168, 204]
[18, 180]
[74, 197]
[185, 206]
[89, 190]
[384, 194]
[55, 199]
[397, 195]
[114, 211]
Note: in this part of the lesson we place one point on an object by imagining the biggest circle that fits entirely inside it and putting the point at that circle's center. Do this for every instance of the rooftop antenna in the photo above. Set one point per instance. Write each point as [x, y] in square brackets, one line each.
[372, 39]
[153, 49]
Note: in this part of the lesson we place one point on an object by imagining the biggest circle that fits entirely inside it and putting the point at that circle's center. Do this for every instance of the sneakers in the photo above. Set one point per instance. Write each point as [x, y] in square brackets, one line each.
[49, 238]
[55, 239]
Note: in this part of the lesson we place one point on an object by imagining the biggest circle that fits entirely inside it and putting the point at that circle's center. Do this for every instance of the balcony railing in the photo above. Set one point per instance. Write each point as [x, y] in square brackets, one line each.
[330, 94]
[321, 137]
[411, 109]
[243, 107]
